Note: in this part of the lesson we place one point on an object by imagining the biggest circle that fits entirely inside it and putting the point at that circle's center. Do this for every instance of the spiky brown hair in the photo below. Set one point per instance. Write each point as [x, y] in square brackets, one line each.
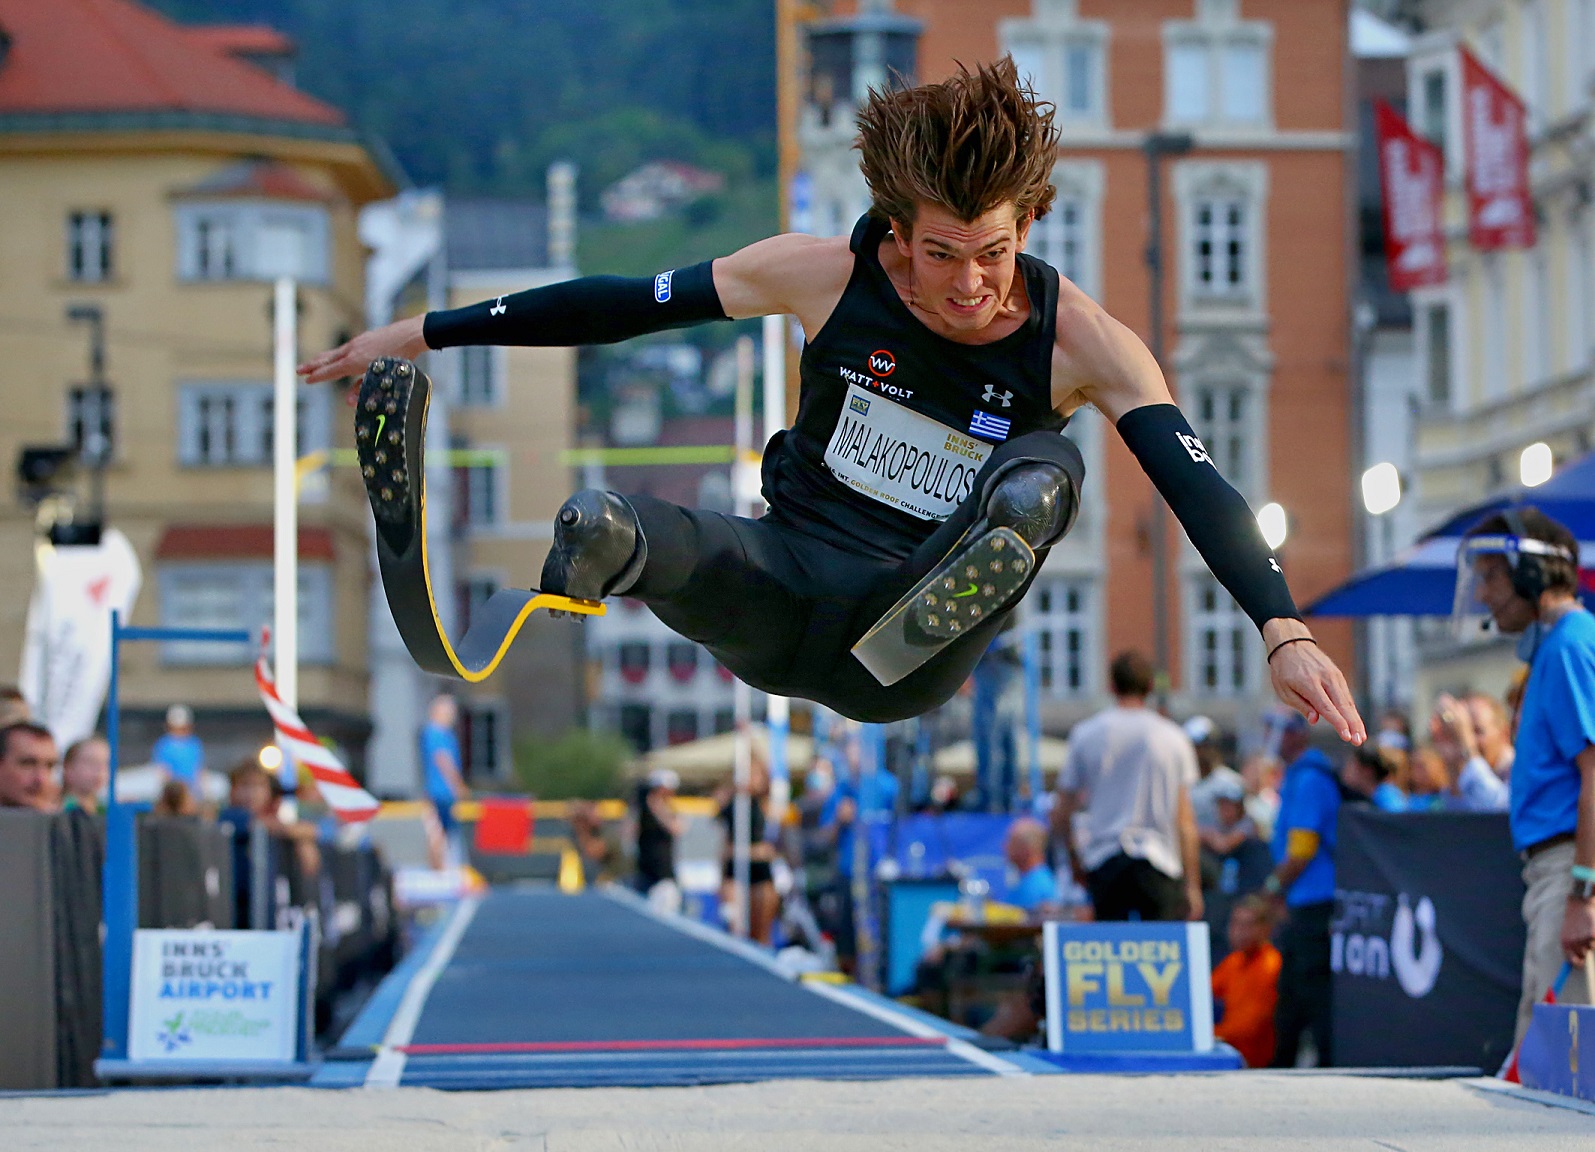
[974, 141]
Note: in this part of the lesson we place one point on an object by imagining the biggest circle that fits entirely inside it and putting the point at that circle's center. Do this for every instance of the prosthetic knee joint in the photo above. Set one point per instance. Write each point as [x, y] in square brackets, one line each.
[599, 549]
[1035, 499]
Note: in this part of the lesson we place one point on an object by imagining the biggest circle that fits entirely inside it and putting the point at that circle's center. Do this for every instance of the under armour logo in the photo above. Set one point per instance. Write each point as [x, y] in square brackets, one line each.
[498, 308]
[1193, 446]
[992, 395]
[1274, 564]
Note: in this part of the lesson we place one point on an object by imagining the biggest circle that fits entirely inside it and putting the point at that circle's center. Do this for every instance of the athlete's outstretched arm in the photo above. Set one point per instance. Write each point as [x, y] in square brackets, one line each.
[782, 274]
[1099, 361]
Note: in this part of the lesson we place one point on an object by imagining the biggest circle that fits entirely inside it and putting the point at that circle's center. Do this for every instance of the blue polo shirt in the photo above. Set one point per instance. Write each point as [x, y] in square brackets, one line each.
[1309, 799]
[435, 739]
[1035, 887]
[182, 756]
[880, 799]
[1556, 723]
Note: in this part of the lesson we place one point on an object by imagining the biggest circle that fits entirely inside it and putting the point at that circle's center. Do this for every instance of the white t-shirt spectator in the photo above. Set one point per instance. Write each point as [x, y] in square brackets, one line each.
[1129, 765]
[1205, 791]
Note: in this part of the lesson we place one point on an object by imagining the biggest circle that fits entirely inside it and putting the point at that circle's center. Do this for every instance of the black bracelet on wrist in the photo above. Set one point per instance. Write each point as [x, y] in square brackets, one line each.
[1282, 643]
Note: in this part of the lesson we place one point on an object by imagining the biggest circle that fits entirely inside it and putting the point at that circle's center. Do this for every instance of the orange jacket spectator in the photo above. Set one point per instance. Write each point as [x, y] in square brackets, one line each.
[1246, 982]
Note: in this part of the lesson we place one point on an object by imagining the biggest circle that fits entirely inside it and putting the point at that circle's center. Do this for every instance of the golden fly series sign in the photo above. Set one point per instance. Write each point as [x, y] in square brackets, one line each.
[1131, 987]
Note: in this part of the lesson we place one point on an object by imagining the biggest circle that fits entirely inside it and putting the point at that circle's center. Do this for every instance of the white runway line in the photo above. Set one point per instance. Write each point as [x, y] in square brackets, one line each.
[388, 1068]
[915, 1027]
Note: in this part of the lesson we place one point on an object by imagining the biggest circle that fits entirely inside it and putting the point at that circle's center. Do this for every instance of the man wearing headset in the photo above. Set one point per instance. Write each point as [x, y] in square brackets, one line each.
[1521, 568]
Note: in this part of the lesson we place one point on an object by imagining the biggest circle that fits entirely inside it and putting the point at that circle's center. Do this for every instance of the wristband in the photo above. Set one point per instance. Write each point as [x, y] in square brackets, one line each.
[1583, 872]
[1272, 885]
[1282, 643]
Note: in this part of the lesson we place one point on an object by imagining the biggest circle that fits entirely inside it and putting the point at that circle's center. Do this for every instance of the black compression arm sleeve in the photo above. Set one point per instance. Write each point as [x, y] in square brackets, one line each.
[1214, 515]
[592, 310]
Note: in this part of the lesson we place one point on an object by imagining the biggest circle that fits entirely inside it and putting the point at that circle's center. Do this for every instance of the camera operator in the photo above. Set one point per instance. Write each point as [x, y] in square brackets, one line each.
[1521, 567]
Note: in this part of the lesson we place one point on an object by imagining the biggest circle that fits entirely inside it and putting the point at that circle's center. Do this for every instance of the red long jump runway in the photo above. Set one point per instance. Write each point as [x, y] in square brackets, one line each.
[539, 989]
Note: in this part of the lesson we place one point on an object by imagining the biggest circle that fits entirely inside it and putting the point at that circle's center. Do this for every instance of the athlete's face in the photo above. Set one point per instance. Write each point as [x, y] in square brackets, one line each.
[963, 269]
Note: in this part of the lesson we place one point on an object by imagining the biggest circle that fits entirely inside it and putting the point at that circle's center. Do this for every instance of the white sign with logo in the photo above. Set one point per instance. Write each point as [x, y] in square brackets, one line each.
[66, 649]
[1372, 940]
[893, 454]
[203, 995]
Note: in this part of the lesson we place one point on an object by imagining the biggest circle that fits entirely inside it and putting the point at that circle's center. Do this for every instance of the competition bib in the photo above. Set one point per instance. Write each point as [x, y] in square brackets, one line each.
[893, 454]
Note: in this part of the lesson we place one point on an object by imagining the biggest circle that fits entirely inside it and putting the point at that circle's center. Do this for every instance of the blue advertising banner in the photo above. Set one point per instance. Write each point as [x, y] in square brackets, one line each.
[1128, 987]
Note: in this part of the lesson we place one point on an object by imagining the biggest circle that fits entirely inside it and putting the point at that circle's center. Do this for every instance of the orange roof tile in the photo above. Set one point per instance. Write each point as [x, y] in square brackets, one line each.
[79, 56]
[258, 179]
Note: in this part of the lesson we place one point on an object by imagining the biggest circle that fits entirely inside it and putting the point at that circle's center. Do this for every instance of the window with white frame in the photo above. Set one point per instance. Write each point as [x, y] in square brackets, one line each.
[1580, 271]
[1069, 236]
[1536, 328]
[230, 425]
[252, 241]
[1222, 214]
[89, 248]
[1221, 646]
[1435, 322]
[1217, 71]
[479, 490]
[484, 732]
[1493, 269]
[91, 421]
[1220, 240]
[1222, 416]
[1063, 58]
[481, 376]
[239, 595]
[1063, 614]
[1058, 237]
[1433, 117]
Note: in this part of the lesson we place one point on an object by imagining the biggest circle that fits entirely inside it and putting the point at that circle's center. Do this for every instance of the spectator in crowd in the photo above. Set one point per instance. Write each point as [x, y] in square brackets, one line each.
[180, 752]
[1474, 785]
[1428, 780]
[1260, 775]
[1492, 729]
[445, 783]
[862, 796]
[175, 800]
[27, 766]
[13, 706]
[1026, 850]
[1212, 772]
[1524, 568]
[1129, 772]
[603, 861]
[254, 796]
[1394, 722]
[658, 826]
[1231, 826]
[1246, 982]
[763, 903]
[1367, 774]
[1304, 876]
[85, 769]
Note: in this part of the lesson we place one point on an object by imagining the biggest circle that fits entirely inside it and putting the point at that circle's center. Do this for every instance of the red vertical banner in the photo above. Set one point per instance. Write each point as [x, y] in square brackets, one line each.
[1412, 177]
[1495, 129]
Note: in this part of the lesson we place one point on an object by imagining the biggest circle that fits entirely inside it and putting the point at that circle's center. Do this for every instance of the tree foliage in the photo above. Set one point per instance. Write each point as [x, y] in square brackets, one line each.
[481, 95]
[580, 765]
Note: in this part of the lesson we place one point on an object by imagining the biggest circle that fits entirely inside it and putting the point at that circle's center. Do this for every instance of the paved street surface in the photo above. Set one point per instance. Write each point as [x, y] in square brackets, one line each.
[1279, 1113]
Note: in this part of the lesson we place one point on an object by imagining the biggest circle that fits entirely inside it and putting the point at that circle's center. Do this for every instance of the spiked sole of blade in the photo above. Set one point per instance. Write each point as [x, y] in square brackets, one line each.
[977, 581]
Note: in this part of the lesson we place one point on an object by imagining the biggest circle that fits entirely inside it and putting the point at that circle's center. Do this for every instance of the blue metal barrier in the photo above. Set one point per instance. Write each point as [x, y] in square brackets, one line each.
[120, 879]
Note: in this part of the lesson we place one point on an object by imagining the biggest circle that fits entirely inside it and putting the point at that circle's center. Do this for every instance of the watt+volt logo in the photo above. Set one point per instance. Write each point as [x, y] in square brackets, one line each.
[882, 362]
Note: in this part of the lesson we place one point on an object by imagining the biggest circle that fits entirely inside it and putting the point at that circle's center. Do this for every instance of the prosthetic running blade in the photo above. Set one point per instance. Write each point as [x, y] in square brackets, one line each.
[974, 582]
[390, 432]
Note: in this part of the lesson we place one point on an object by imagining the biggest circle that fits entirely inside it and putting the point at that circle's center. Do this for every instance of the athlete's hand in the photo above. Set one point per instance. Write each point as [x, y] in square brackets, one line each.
[401, 338]
[1307, 680]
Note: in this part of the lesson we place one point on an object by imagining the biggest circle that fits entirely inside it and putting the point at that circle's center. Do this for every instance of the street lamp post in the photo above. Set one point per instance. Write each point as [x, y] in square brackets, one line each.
[1381, 493]
[1157, 146]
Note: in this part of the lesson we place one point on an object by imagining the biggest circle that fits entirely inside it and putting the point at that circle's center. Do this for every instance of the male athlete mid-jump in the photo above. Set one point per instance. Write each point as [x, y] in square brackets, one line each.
[925, 475]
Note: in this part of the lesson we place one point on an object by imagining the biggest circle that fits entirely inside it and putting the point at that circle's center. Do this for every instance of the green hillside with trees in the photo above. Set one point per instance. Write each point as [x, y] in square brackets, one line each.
[479, 96]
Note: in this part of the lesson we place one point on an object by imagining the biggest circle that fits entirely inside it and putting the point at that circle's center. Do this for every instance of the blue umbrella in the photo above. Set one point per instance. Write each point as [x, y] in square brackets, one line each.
[1422, 581]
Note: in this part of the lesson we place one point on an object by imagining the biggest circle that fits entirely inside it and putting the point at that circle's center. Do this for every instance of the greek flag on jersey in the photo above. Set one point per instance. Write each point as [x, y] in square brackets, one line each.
[989, 427]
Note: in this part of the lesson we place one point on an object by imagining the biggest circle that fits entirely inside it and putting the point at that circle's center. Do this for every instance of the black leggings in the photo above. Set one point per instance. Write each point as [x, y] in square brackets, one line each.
[782, 609]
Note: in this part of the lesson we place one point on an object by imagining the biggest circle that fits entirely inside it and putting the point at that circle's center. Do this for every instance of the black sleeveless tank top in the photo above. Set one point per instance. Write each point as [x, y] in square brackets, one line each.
[894, 421]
